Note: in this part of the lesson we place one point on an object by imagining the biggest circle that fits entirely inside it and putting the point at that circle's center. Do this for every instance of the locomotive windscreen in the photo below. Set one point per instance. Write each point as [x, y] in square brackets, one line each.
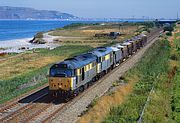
[59, 72]
[62, 65]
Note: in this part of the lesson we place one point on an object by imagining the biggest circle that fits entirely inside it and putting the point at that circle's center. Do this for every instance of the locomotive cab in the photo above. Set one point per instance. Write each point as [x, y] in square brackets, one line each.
[68, 78]
[61, 77]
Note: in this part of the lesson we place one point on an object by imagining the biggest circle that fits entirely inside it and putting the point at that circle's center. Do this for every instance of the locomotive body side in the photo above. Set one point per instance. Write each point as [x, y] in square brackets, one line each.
[104, 59]
[73, 75]
[129, 47]
[70, 76]
[124, 50]
[117, 55]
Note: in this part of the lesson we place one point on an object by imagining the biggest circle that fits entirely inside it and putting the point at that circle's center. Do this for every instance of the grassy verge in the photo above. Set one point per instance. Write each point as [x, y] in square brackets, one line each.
[150, 71]
[176, 97]
[26, 71]
[145, 74]
[164, 104]
[175, 61]
[16, 84]
[160, 71]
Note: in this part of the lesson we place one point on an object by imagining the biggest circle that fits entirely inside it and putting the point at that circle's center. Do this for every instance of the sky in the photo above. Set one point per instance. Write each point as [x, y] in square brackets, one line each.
[105, 8]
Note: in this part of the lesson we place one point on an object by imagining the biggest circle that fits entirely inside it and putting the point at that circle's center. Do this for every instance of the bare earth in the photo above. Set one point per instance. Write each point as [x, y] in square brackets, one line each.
[72, 112]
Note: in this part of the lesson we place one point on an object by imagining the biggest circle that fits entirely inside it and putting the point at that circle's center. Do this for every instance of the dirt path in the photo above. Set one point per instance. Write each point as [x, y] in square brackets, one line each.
[72, 113]
[48, 38]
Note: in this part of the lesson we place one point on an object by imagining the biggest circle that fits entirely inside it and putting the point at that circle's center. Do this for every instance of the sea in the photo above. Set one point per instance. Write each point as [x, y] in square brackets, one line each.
[19, 29]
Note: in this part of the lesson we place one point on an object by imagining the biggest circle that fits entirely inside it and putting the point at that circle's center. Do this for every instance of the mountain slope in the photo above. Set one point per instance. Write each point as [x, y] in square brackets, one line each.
[7, 12]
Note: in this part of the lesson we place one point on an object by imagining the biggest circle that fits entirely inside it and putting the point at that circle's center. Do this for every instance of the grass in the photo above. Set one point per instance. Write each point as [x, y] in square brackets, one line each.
[100, 108]
[176, 97]
[175, 61]
[28, 71]
[161, 71]
[20, 73]
[151, 70]
[144, 74]
[89, 30]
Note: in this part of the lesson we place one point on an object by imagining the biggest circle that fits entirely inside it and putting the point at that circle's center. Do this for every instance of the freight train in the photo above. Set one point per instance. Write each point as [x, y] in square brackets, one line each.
[73, 75]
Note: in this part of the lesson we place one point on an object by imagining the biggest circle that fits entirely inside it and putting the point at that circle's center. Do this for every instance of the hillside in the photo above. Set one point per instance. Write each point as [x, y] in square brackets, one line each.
[7, 12]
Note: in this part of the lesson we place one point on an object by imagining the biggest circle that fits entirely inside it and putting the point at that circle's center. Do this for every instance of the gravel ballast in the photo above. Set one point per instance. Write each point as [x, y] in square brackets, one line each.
[72, 112]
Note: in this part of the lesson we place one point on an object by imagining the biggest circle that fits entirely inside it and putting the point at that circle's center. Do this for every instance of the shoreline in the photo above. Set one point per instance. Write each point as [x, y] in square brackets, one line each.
[14, 42]
[22, 45]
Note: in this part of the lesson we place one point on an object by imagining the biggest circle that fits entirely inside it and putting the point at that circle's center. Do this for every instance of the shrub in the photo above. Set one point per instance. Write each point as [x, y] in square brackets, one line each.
[39, 35]
[168, 28]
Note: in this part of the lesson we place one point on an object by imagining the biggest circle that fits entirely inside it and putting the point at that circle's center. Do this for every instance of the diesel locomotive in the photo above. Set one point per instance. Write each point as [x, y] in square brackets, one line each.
[72, 76]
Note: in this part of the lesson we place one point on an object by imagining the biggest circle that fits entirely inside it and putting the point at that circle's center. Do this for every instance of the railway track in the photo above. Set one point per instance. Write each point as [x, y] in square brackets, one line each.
[44, 107]
[18, 99]
[52, 115]
[21, 108]
[13, 107]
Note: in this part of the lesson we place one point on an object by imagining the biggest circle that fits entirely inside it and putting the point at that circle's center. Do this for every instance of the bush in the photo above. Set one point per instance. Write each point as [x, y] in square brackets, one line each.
[39, 35]
[168, 28]
[169, 33]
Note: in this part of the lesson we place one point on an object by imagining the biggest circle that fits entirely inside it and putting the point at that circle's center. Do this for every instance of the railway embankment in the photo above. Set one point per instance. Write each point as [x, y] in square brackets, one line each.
[81, 105]
[42, 108]
[26, 71]
[151, 90]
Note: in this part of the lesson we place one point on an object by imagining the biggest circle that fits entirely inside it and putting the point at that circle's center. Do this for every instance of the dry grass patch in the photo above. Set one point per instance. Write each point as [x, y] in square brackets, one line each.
[97, 113]
[17, 67]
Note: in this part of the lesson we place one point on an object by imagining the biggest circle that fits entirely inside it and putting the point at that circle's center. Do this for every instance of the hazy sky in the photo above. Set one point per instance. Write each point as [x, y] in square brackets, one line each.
[104, 8]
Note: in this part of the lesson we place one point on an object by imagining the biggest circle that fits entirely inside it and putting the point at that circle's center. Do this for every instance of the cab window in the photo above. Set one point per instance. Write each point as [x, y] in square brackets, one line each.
[57, 72]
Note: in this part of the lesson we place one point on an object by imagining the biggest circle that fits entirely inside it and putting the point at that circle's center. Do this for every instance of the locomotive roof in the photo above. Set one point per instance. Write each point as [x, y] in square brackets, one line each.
[114, 48]
[132, 40]
[126, 43]
[78, 61]
[141, 35]
[101, 51]
[119, 46]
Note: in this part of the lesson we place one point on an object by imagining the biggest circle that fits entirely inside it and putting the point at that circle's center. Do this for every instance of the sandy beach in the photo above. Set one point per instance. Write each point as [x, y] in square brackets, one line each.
[21, 45]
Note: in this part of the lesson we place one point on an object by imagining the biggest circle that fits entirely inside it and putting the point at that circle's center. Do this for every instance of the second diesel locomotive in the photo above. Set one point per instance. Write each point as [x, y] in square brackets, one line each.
[73, 75]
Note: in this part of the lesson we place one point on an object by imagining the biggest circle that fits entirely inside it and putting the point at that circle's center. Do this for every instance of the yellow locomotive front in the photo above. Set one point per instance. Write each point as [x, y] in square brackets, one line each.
[61, 79]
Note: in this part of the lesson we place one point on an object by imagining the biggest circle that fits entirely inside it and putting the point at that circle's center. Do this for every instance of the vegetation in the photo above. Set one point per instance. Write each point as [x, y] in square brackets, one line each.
[168, 28]
[176, 97]
[23, 72]
[85, 33]
[38, 38]
[158, 73]
[168, 33]
[151, 70]
[39, 35]
[175, 62]
[145, 26]
[76, 25]
[146, 74]
[32, 70]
